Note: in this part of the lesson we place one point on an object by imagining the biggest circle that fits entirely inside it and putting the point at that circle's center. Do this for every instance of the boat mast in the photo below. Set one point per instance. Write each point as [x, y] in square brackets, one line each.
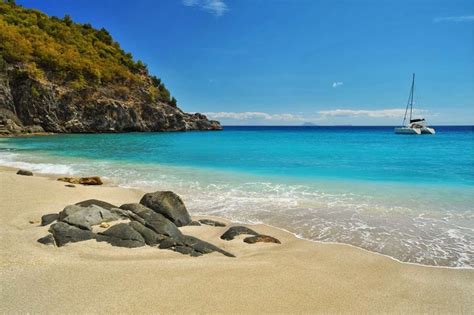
[410, 101]
[412, 92]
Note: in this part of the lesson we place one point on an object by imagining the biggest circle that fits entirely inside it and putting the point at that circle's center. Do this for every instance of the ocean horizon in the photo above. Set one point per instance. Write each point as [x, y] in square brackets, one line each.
[407, 197]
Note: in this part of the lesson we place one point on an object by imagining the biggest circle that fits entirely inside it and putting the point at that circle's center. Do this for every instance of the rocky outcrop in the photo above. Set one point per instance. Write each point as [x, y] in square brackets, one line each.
[87, 220]
[31, 105]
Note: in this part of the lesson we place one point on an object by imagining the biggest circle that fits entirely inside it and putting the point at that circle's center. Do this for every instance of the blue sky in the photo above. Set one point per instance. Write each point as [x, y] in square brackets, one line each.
[280, 62]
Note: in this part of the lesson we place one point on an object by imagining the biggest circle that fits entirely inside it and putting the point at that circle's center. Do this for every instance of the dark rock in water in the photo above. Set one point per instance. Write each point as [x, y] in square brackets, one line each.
[64, 233]
[234, 231]
[122, 235]
[100, 203]
[151, 237]
[194, 223]
[47, 240]
[94, 180]
[261, 238]
[212, 223]
[24, 173]
[155, 221]
[168, 204]
[192, 246]
[85, 217]
[49, 218]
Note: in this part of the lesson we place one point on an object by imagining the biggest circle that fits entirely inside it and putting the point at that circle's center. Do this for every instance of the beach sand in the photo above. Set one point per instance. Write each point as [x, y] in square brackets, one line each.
[297, 276]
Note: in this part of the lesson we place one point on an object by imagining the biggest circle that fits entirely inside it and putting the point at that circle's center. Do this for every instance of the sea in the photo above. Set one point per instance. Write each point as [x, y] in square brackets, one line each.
[407, 197]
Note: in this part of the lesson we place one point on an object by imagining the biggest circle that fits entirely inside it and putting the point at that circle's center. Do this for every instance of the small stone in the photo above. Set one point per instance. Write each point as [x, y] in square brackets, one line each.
[70, 185]
[47, 240]
[94, 180]
[212, 223]
[261, 239]
[104, 225]
[234, 231]
[34, 221]
[24, 173]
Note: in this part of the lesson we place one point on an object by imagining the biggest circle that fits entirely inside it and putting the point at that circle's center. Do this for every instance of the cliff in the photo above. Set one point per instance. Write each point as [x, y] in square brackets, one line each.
[65, 77]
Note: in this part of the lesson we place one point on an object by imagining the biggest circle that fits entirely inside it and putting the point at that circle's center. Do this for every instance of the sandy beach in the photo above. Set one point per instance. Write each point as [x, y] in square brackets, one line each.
[297, 276]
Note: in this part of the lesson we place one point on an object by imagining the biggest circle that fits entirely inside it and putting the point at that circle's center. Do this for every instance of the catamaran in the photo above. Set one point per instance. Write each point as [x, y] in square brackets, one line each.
[413, 126]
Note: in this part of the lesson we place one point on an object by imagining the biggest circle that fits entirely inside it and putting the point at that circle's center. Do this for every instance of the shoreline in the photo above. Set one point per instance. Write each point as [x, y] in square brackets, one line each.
[54, 176]
[297, 276]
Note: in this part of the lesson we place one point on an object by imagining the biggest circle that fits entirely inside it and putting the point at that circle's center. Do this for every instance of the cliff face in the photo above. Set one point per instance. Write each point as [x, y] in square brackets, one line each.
[65, 77]
[28, 105]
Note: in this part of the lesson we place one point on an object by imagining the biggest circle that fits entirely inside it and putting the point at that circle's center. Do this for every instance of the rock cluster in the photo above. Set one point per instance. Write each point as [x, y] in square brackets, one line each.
[153, 222]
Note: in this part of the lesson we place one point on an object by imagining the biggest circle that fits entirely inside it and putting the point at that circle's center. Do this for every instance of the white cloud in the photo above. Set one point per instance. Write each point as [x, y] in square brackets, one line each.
[336, 84]
[464, 18]
[377, 113]
[216, 7]
[254, 116]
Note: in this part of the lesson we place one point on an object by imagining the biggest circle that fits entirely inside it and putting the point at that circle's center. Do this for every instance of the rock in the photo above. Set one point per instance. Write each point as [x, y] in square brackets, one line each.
[64, 233]
[94, 180]
[191, 245]
[49, 218]
[100, 203]
[194, 223]
[104, 225]
[155, 221]
[122, 235]
[34, 221]
[70, 185]
[24, 173]
[261, 238]
[47, 240]
[212, 223]
[168, 204]
[150, 236]
[234, 231]
[85, 217]
[127, 214]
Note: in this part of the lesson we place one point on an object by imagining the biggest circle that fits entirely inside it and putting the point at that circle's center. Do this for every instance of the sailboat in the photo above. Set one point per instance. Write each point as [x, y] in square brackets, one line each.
[413, 126]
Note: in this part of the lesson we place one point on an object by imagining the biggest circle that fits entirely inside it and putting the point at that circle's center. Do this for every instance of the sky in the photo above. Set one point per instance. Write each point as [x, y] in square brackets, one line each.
[287, 62]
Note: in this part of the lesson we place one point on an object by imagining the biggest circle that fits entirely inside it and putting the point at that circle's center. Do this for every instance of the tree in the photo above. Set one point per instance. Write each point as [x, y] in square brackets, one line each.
[174, 102]
[67, 19]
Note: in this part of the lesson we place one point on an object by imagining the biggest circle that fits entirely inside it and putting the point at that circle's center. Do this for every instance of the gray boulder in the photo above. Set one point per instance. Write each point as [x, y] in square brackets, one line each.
[100, 203]
[49, 218]
[192, 246]
[151, 237]
[155, 221]
[122, 235]
[84, 218]
[64, 233]
[168, 204]
[234, 231]
[24, 173]
[212, 223]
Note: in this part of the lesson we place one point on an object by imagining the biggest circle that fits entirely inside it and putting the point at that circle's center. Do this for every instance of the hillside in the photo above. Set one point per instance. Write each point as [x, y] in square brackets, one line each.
[60, 76]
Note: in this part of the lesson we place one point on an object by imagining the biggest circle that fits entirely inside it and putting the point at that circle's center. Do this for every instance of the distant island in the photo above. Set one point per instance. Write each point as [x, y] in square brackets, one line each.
[63, 77]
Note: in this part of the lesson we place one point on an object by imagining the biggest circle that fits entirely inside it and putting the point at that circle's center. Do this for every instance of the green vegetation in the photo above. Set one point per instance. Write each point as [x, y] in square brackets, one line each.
[69, 53]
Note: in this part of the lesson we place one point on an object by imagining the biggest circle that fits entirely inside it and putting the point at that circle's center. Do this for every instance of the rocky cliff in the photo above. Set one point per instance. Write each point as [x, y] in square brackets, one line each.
[64, 77]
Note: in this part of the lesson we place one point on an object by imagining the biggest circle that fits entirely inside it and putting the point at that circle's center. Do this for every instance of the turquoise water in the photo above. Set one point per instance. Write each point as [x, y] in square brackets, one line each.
[409, 197]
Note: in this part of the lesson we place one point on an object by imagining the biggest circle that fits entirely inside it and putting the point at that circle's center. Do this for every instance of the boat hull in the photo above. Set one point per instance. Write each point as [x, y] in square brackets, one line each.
[407, 131]
[428, 130]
